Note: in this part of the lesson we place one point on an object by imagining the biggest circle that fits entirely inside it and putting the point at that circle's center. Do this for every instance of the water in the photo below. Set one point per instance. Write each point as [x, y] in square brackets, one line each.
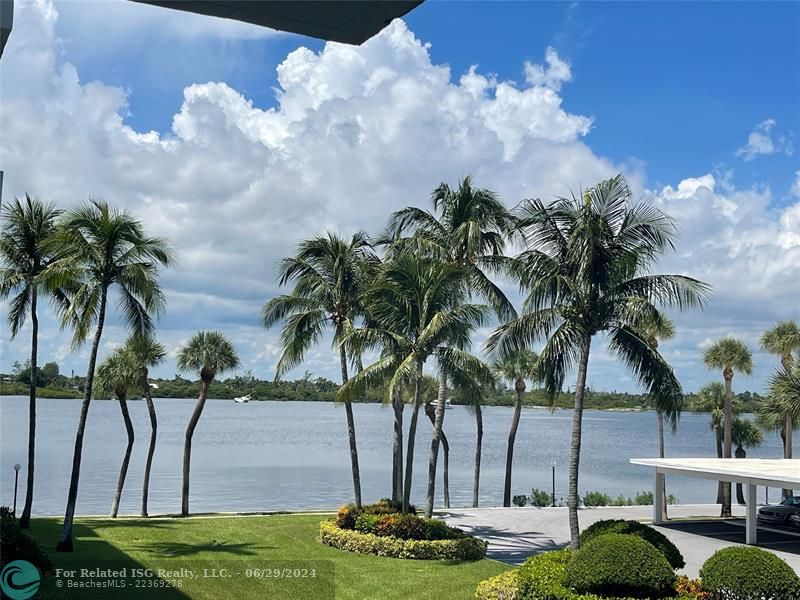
[294, 455]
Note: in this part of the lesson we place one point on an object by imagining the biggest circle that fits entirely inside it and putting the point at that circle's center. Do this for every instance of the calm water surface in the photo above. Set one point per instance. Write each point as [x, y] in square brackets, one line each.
[293, 455]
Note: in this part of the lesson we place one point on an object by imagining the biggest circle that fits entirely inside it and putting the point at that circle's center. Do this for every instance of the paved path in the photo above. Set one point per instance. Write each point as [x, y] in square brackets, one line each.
[516, 533]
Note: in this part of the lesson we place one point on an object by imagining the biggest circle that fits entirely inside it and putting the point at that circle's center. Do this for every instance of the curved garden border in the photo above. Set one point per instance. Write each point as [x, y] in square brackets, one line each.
[464, 548]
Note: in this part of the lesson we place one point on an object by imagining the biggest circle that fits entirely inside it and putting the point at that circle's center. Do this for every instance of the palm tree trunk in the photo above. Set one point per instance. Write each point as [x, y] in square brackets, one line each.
[65, 540]
[718, 434]
[412, 434]
[123, 471]
[727, 442]
[575, 445]
[397, 449]
[25, 519]
[151, 410]
[431, 413]
[351, 433]
[661, 455]
[787, 447]
[740, 453]
[512, 435]
[187, 445]
[436, 437]
[476, 479]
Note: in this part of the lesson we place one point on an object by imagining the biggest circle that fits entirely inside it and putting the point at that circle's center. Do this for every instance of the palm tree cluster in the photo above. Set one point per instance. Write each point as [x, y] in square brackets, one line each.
[415, 295]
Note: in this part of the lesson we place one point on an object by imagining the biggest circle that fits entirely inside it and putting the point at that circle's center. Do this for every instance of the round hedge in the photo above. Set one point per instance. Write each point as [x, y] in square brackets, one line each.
[614, 564]
[659, 540]
[747, 573]
[462, 548]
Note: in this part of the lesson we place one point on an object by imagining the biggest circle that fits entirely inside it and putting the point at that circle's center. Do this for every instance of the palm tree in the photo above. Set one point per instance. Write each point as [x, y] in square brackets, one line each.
[654, 331]
[329, 274]
[586, 271]
[410, 315]
[711, 399]
[115, 375]
[105, 247]
[783, 339]
[745, 434]
[147, 353]
[471, 394]
[783, 403]
[25, 255]
[212, 354]
[515, 368]
[469, 232]
[730, 355]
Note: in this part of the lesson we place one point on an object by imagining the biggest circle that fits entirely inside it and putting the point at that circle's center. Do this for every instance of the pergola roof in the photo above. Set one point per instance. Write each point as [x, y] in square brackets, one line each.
[756, 471]
[348, 21]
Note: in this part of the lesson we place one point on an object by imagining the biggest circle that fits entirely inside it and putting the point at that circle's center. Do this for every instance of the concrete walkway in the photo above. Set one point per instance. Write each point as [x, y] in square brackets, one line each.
[516, 533]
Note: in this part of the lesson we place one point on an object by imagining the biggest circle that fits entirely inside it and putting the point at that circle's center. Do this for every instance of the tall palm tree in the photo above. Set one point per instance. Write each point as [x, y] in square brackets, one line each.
[730, 355]
[25, 254]
[745, 434]
[411, 317]
[468, 230]
[115, 375]
[105, 247]
[212, 354]
[587, 270]
[330, 275]
[711, 399]
[783, 403]
[472, 394]
[783, 339]
[655, 330]
[515, 368]
[147, 353]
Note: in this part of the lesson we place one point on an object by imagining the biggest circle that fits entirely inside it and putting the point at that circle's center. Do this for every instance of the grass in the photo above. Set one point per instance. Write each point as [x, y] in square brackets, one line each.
[206, 546]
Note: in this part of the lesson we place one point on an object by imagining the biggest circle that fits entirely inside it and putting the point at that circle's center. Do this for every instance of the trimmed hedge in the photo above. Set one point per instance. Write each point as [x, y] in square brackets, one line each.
[747, 573]
[647, 533]
[463, 548]
[499, 587]
[347, 514]
[620, 565]
[542, 578]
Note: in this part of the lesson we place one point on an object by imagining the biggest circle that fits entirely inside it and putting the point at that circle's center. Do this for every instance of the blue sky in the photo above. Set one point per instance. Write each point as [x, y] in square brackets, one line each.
[235, 141]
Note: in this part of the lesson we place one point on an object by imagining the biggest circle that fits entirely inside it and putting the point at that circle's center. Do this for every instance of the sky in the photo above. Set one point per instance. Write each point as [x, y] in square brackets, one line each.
[235, 142]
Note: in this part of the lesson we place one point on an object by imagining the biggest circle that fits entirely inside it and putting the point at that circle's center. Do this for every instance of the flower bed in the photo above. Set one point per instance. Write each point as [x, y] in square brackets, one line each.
[460, 548]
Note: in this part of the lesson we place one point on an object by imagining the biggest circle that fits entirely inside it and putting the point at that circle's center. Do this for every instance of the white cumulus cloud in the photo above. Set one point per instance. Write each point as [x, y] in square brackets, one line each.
[762, 140]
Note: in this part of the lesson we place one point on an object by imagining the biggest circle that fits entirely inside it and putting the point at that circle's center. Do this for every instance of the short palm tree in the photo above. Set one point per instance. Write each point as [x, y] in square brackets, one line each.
[515, 368]
[147, 353]
[329, 273]
[587, 270]
[783, 339]
[25, 254]
[729, 355]
[115, 375]
[210, 353]
[654, 331]
[468, 232]
[745, 434]
[105, 248]
[411, 317]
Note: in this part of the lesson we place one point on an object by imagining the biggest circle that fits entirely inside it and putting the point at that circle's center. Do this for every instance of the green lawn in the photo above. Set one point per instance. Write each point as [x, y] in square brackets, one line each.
[207, 546]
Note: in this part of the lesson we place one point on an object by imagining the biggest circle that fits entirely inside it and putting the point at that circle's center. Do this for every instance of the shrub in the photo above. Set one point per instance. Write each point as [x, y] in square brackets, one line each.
[412, 527]
[366, 523]
[747, 573]
[499, 587]
[15, 544]
[659, 540]
[346, 516]
[462, 548]
[520, 500]
[620, 565]
[596, 499]
[542, 577]
[540, 498]
[690, 589]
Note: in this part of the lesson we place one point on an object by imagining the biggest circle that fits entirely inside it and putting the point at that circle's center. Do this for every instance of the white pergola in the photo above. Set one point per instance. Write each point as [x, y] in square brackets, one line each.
[750, 472]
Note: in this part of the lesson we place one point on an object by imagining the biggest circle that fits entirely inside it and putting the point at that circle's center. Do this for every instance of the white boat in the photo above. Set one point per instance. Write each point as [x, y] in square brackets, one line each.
[242, 399]
[154, 386]
[448, 404]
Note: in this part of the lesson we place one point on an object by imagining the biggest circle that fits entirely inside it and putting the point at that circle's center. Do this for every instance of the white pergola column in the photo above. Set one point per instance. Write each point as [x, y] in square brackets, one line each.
[751, 523]
[658, 499]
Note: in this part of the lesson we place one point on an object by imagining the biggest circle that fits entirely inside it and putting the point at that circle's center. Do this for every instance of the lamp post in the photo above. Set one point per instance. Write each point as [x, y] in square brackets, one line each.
[554, 483]
[17, 467]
